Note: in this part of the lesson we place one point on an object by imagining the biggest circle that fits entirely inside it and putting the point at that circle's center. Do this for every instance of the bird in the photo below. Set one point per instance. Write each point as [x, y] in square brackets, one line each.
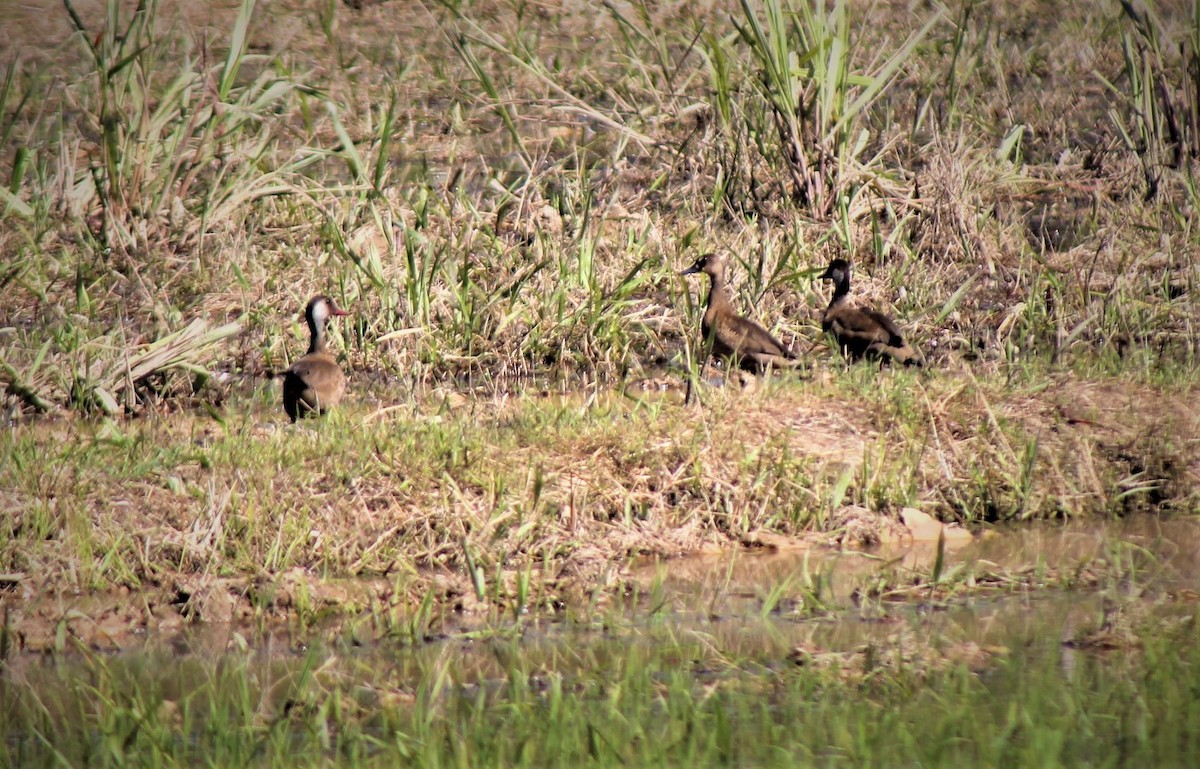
[862, 332]
[314, 383]
[733, 337]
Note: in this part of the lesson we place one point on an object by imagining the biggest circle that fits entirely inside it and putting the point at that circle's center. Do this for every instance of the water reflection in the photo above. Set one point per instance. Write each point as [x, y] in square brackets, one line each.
[759, 609]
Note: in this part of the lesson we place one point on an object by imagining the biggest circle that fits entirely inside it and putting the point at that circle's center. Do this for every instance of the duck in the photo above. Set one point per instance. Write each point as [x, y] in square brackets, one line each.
[862, 332]
[314, 383]
[735, 338]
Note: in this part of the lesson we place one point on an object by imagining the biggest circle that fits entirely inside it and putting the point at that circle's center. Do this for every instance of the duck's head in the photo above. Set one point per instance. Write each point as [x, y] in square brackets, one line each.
[712, 265]
[837, 271]
[319, 309]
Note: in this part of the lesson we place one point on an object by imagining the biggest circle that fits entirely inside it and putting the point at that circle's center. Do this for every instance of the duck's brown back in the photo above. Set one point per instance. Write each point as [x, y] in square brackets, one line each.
[749, 344]
[314, 383]
[865, 332]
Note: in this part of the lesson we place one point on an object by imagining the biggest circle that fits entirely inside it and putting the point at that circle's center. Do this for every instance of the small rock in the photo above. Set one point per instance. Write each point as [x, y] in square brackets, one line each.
[925, 528]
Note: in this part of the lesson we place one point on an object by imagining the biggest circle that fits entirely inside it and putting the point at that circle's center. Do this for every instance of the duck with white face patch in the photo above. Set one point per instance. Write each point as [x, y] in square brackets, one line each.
[314, 383]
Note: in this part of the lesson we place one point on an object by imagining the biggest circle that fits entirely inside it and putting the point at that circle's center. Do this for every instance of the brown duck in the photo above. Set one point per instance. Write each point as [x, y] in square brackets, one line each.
[862, 332]
[750, 346]
[315, 382]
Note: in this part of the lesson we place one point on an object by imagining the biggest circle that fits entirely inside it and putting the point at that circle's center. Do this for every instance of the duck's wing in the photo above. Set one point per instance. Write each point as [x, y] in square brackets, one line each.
[748, 338]
[863, 326]
[320, 373]
[895, 337]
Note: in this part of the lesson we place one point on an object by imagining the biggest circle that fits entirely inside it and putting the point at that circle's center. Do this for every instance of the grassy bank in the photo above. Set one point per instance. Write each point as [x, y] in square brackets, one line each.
[519, 503]
[502, 194]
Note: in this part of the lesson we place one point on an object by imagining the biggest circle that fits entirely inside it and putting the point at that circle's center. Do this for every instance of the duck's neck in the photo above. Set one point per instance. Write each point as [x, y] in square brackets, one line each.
[316, 335]
[717, 293]
[840, 290]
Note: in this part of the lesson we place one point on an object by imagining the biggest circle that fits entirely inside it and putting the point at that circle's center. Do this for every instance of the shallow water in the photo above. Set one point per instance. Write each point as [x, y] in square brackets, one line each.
[764, 604]
[733, 624]
[727, 597]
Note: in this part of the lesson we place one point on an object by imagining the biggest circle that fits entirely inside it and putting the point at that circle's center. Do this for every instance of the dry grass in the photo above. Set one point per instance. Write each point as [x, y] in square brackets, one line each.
[515, 220]
[502, 195]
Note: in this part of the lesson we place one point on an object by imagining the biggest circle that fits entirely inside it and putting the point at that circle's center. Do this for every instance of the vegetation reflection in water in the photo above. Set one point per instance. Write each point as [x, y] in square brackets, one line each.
[1011, 680]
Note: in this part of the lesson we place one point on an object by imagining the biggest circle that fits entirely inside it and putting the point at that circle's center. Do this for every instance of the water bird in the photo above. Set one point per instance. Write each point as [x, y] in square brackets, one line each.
[862, 332]
[314, 383]
[733, 337]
